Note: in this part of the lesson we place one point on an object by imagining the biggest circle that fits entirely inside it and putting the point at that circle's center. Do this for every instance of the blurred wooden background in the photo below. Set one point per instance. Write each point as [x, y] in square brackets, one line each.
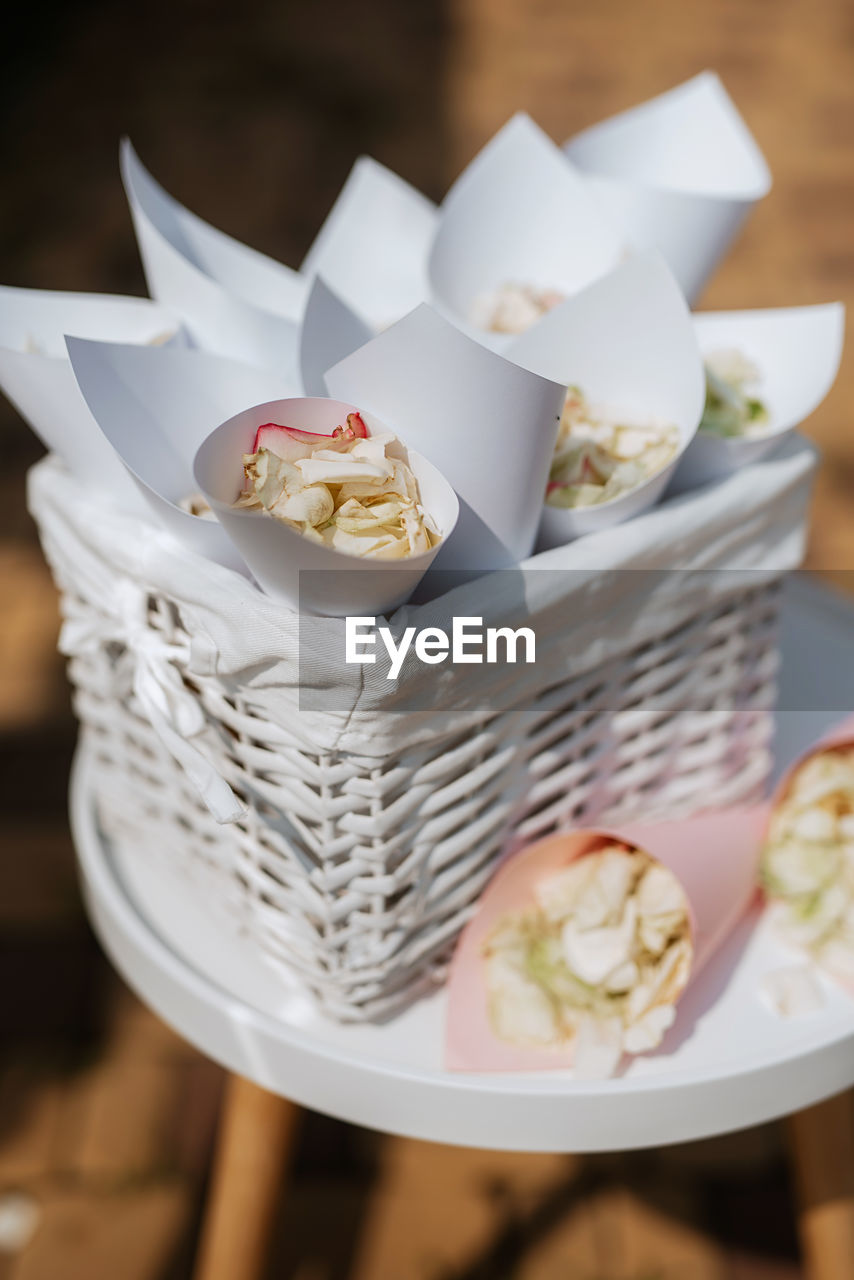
[252, 115]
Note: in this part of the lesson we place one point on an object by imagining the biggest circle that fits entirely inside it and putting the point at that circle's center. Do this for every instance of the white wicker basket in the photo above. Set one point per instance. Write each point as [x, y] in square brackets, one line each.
[370, 828]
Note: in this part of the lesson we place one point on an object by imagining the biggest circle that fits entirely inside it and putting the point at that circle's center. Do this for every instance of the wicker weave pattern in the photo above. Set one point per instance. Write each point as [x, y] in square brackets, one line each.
[358, 874]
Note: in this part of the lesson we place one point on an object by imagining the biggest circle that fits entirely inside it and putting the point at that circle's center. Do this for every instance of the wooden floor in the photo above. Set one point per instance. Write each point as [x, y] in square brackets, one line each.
[253, 114]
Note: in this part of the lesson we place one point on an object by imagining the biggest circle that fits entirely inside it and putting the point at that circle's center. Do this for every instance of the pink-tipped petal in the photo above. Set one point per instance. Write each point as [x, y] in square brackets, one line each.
[356, 424]
[290, 443]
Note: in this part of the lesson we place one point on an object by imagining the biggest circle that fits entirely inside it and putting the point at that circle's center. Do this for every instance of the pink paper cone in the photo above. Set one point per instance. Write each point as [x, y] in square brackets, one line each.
[840, 735]
[714, 857]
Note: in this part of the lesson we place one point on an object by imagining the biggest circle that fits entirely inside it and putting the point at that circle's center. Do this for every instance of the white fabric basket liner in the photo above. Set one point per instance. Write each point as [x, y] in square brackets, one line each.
[367, 830]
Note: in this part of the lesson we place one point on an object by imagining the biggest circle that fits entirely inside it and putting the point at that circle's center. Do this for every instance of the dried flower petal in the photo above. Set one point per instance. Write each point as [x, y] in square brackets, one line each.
[599, 456]
[312, 505]
[730, 409]
[598, 1048]
[523, 1013]
[197, 505]
[594, 953]
[513, 308]
[793, 991]
[343, 490]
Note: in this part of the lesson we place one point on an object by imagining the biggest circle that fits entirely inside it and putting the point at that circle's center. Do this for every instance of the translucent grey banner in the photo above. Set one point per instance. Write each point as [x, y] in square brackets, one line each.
[711, 642]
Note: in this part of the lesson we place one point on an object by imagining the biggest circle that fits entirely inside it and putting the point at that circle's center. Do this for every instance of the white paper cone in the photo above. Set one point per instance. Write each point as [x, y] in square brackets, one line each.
[488, 425]
[155, 406]
[233, 300]
[330, 331]
[36, 376]
[628, 343]
[678, 173]
[332, 583]
[519, 214]
[372, 249]
[797, 351]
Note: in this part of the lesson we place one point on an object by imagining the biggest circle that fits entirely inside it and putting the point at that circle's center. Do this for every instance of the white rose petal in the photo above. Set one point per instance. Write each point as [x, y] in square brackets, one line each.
[312, 504]
[622, 979]
[603, 894]
[339, 468]
[667, 978]
[512, 308]
[648, 1032]
[655, 931]
[814, 824]
[519, 1010]
[793, 991]
[659, 892]
[556, 895]
[733, 367]
[598, 1048]
[594, 953]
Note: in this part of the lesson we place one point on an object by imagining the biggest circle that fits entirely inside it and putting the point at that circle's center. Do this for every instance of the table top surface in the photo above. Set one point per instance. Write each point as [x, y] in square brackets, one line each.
[729, 1062]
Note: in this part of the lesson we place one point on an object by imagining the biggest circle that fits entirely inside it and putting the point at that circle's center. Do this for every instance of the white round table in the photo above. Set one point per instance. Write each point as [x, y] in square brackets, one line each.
[729, 1062]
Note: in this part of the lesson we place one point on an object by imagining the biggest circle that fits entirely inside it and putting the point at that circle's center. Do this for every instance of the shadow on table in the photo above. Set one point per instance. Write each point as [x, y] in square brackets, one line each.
[710, 985]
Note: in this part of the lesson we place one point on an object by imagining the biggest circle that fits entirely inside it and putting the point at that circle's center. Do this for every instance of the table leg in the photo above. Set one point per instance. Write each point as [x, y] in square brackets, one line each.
[255, 1133]
[822, 1147]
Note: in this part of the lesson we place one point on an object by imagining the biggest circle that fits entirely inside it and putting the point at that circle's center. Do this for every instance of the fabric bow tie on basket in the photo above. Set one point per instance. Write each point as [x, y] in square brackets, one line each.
[153, 668]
